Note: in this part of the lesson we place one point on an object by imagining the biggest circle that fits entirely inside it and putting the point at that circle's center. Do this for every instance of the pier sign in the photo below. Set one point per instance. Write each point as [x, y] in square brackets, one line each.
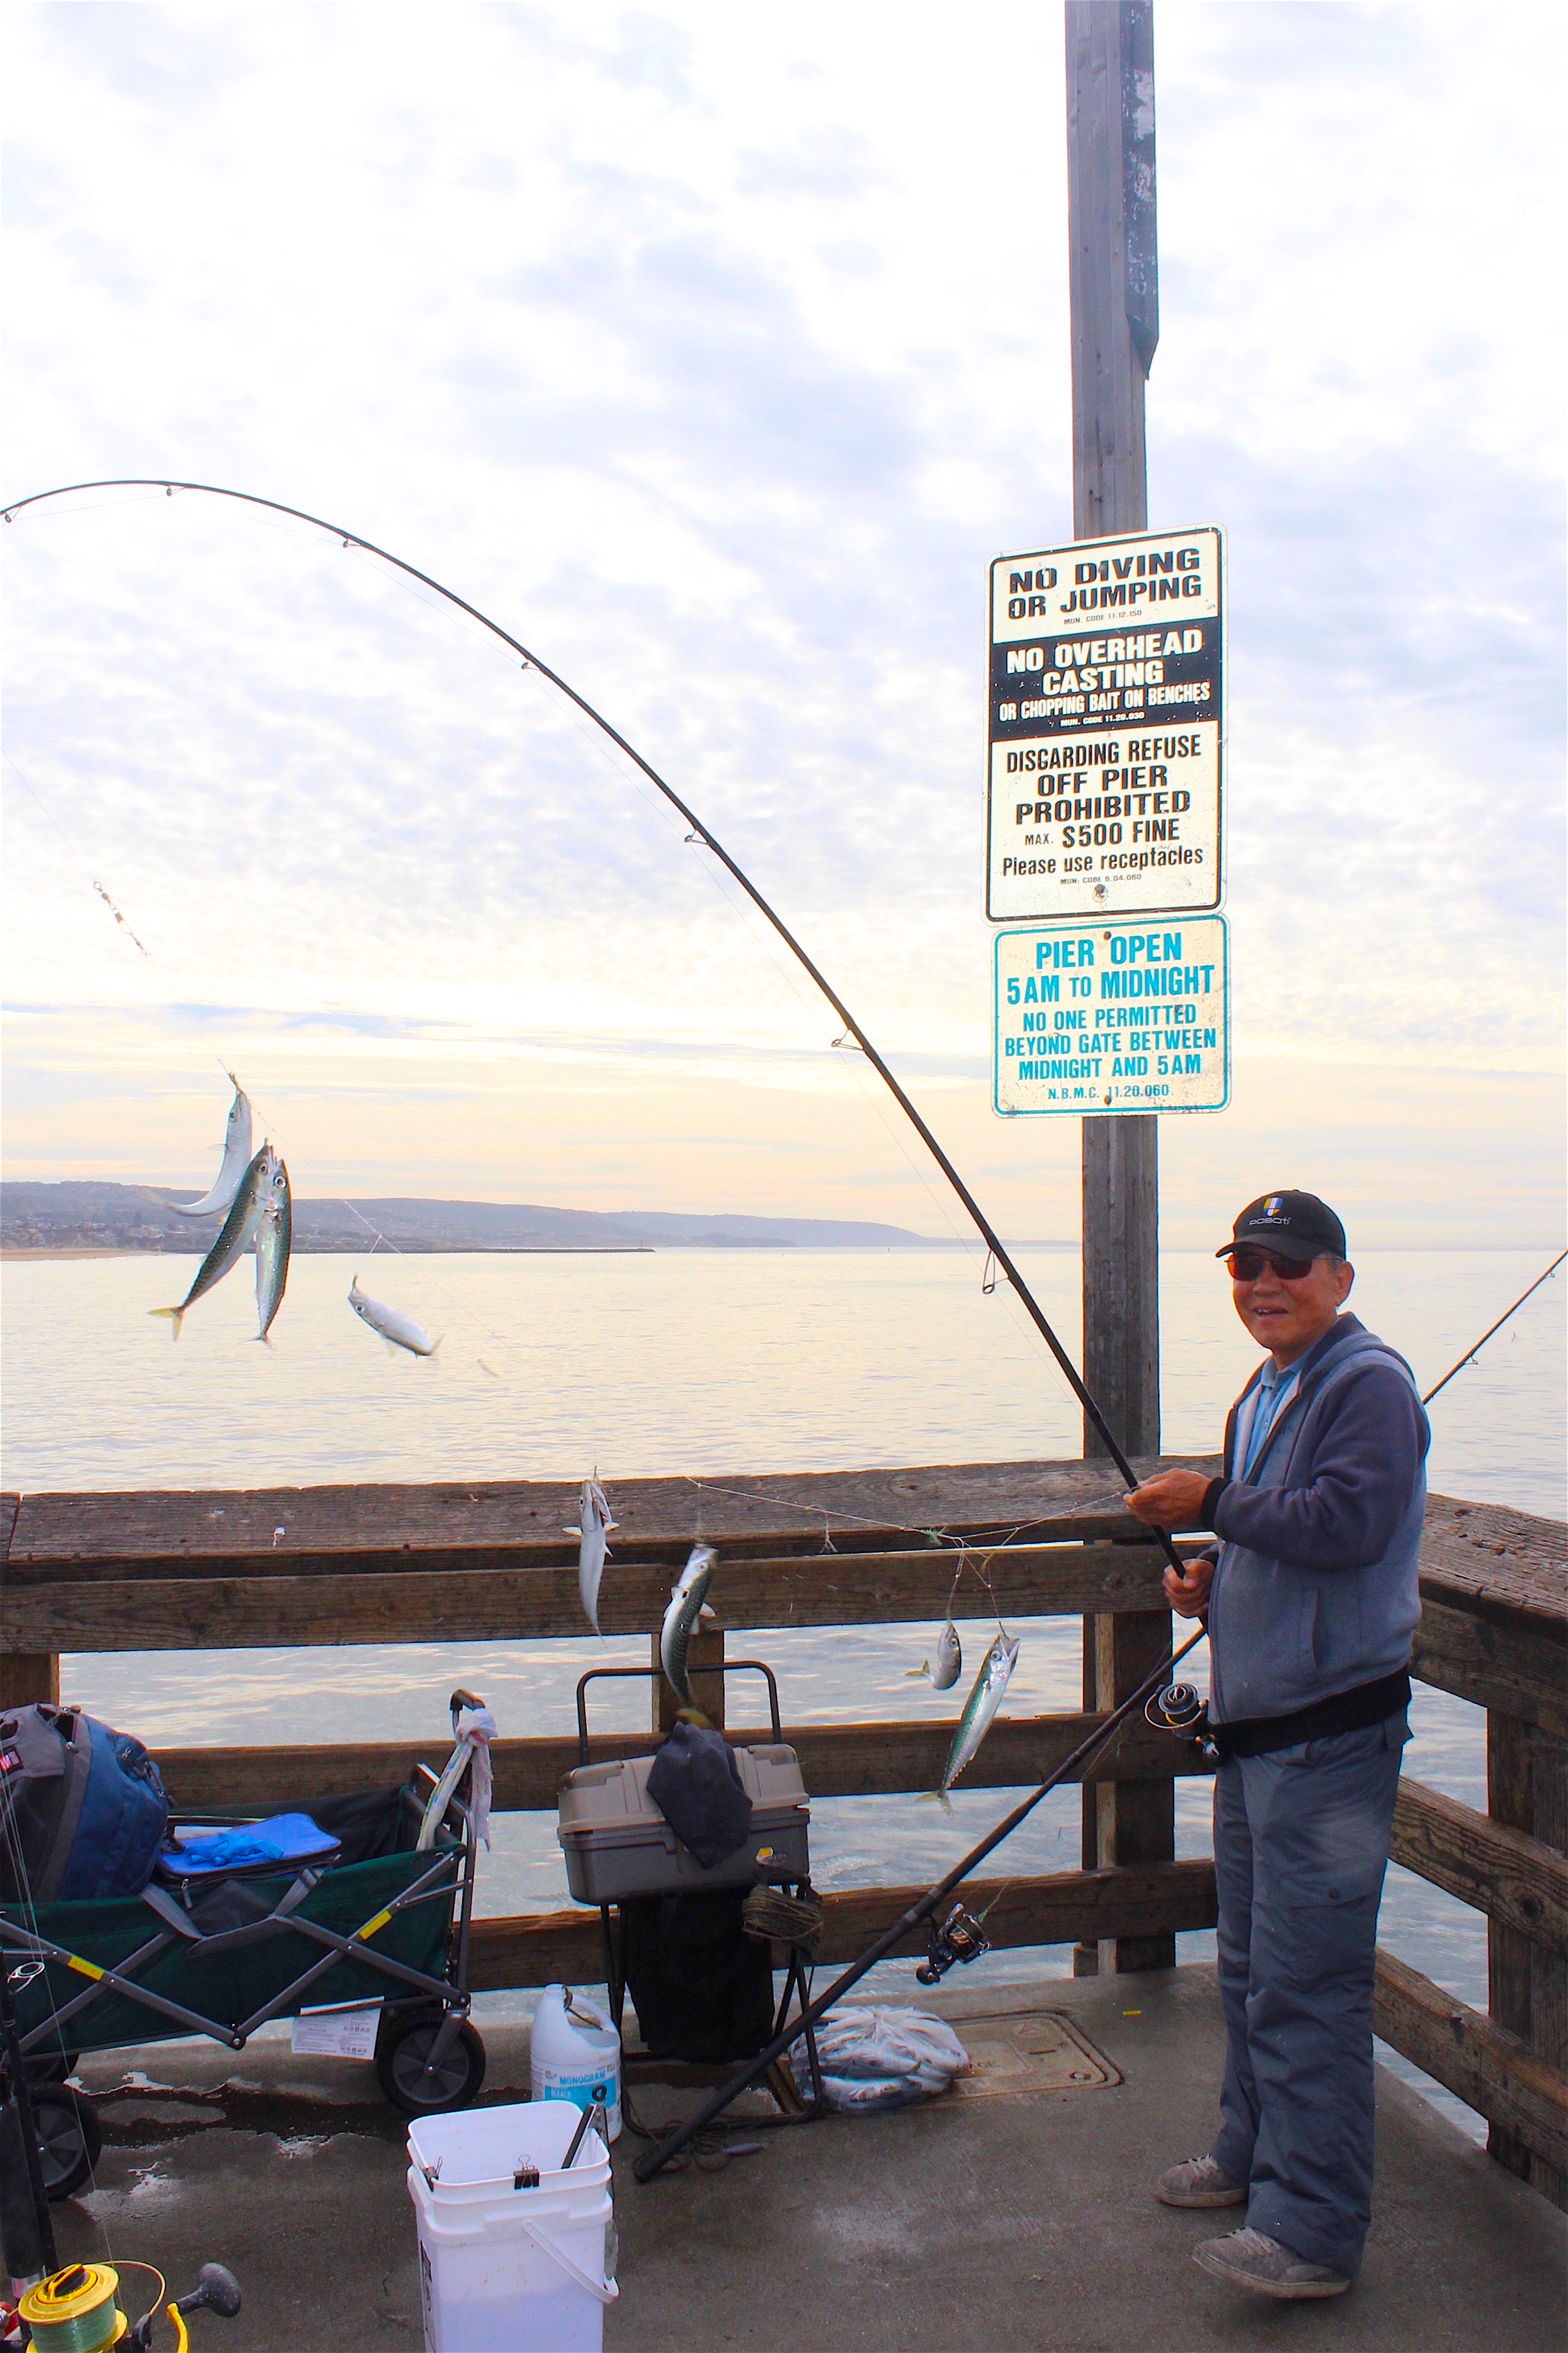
[1106, 776]
[1097, 1018]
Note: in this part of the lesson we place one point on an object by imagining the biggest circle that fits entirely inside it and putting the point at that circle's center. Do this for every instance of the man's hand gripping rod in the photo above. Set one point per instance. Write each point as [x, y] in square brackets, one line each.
[675, 2141]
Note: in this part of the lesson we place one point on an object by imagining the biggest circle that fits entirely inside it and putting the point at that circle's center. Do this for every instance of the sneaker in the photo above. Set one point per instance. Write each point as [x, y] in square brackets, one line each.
[1247, 2259]
[1199, 2182]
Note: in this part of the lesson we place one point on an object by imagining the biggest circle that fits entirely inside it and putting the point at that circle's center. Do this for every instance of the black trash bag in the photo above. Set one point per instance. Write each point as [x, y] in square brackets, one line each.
[696, 1784]
[701, 1987]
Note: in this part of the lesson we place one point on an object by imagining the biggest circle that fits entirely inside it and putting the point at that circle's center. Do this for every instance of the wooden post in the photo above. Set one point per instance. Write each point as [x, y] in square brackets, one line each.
[706, 1652]
[1114, 287]
[29, 1676]
[1526, 1981]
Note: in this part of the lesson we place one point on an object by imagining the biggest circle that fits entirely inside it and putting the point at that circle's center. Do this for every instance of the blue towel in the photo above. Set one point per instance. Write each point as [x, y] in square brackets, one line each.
[286, 1838]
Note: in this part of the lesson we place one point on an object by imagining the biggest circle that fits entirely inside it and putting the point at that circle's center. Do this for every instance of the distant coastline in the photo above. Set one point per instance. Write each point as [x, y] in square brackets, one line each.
[85, 1218]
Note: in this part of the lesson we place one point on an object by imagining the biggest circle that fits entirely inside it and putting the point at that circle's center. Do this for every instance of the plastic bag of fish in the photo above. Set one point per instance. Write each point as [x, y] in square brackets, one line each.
[879, 2057]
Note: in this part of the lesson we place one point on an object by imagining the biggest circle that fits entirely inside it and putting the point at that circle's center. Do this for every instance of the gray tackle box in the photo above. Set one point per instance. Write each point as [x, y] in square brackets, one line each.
[618, 1844]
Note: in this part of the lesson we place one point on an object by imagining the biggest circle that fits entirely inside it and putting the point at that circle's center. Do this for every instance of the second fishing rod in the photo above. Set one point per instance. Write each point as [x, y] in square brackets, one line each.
[907, 1923]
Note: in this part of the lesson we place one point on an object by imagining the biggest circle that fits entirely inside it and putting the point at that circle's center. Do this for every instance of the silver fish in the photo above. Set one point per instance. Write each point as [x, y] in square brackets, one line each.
[949, 1662]
[396, 1328]
[980, 1707]
[274, 1240]
[236, 1159]
[686, 1604]
[592, 1549]
[236, 1235]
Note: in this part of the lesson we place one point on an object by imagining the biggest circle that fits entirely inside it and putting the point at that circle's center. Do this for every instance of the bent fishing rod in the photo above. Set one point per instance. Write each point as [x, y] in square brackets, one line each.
[702, 834]
[676, 2139]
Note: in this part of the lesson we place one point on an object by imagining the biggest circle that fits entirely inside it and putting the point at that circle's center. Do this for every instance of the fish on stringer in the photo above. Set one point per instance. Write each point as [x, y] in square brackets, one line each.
[980, 1708]
[949, 1662]
[399, 1331]
[593, 1551]
[236, 1159]
[687, 1603]
[236, 1233]
[274, 1242]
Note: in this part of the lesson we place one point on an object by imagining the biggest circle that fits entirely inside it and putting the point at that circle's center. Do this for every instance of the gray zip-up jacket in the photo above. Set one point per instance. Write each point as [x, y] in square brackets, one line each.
[1315, 1591]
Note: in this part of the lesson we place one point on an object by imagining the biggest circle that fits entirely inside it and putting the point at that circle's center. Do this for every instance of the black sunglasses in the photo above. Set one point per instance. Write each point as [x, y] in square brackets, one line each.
[1246, 1265]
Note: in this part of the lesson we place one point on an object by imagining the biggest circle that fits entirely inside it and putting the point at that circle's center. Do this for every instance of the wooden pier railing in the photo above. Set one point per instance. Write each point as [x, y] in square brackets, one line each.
[465, 1563]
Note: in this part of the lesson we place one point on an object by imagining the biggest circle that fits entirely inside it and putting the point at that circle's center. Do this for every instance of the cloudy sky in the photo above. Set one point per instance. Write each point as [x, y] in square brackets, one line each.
[716, 352]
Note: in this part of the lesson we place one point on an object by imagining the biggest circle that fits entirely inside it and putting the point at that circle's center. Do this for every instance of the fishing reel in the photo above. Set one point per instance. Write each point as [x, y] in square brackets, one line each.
[1180, 1709]
[959, 1937]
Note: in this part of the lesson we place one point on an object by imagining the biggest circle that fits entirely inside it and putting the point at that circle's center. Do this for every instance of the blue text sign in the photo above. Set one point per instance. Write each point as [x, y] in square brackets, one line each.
[1112, 1018]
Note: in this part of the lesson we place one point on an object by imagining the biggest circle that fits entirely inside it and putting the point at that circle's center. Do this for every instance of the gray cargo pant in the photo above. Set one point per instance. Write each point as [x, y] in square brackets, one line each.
[1300, 1844]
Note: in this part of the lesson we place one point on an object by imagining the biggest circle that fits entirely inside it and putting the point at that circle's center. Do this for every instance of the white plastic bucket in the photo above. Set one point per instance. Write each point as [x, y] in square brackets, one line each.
[503, 2269]
[571, 2061]
[474, 2156]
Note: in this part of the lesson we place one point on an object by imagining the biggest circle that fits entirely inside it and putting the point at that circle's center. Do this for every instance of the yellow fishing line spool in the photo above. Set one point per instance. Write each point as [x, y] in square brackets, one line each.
[74, 2311]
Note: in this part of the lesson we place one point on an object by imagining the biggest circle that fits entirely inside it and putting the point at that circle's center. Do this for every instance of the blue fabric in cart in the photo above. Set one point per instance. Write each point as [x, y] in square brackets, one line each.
[286, 1838]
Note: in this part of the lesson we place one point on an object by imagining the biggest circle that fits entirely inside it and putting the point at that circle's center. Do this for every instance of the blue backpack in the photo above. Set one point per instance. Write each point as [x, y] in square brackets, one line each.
[82, 1809]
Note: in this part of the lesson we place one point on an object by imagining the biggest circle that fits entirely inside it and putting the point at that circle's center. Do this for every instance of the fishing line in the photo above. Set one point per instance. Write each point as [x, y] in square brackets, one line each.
[852, 1027]
[1471, 1354]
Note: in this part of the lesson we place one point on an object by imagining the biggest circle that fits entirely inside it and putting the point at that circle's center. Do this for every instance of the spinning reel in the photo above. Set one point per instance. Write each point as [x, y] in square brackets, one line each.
[1180, 1709]
[959, 1937]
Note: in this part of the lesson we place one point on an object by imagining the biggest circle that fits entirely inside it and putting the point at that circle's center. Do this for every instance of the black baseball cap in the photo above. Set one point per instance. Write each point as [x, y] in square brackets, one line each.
[1296, 1225]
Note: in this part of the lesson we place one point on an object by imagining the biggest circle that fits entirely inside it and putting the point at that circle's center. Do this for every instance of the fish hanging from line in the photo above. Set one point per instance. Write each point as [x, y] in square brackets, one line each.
[274, 1240]
[396, 1329]
[980, 1708]
[236, 1160]
[236, 1234]
[593, 1551]
[949, 1662]
[687, 1603]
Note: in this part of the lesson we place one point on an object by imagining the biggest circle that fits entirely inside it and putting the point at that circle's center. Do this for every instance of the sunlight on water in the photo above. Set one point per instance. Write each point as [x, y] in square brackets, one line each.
[710, 1362]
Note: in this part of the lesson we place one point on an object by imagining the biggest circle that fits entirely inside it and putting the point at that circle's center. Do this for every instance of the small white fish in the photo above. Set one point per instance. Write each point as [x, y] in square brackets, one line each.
[593, 1551]
[979, 1708]
[396, 1328]
[236, 1234]
[274, 1240]
[686, 1605]
[949, 1662]
[236, 1160]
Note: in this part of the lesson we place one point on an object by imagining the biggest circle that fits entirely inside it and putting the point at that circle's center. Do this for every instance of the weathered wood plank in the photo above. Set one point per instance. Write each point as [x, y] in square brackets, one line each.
[541, 1949]
[1517, 1666]
[1548, 1962]
[1489, 2069]
[1507, 1951]
[1511, 1877]
[534, 1604]
[1473, 1555]
[837, 1760]
[9, 1505]
[1135, 1822]
[26, 1676]
[519, 1523]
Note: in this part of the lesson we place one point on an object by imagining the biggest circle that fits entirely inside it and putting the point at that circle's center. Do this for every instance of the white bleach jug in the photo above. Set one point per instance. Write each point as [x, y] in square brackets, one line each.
[577, 2054]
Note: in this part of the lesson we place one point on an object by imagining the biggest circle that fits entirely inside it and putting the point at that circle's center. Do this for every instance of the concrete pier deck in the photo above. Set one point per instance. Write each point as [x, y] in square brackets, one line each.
[986, 2221]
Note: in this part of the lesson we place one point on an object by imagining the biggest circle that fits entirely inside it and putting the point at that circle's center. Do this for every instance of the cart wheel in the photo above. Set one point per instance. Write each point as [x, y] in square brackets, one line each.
[69, 2138]
[402, 2047]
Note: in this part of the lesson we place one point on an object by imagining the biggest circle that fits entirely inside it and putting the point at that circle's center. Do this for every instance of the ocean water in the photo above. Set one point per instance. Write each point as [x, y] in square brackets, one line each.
[708, 1364]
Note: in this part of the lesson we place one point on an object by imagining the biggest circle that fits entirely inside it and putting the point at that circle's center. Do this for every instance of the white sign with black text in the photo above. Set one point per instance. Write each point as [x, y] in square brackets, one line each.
[1113, 1017]
[1105, 787]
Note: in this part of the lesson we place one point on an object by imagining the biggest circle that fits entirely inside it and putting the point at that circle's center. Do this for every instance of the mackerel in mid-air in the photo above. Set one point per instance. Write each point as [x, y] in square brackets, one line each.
[399, 1331]
[596, 1522]
[274, 1240]
[236, 1159]
[236, 1235]
[949, 1662]
[979, 1708]
[686, 1605]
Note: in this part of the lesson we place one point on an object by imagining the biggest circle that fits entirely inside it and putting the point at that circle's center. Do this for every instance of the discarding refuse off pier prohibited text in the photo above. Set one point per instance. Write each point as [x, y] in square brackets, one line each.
[1105, 820]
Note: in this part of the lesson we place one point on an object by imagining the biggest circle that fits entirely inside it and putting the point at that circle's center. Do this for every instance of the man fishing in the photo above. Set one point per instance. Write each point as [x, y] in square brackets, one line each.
[1311, 1601]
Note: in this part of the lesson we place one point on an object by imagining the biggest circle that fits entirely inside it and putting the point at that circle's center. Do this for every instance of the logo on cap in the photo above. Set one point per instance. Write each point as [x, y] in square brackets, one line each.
[1271, 1206]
